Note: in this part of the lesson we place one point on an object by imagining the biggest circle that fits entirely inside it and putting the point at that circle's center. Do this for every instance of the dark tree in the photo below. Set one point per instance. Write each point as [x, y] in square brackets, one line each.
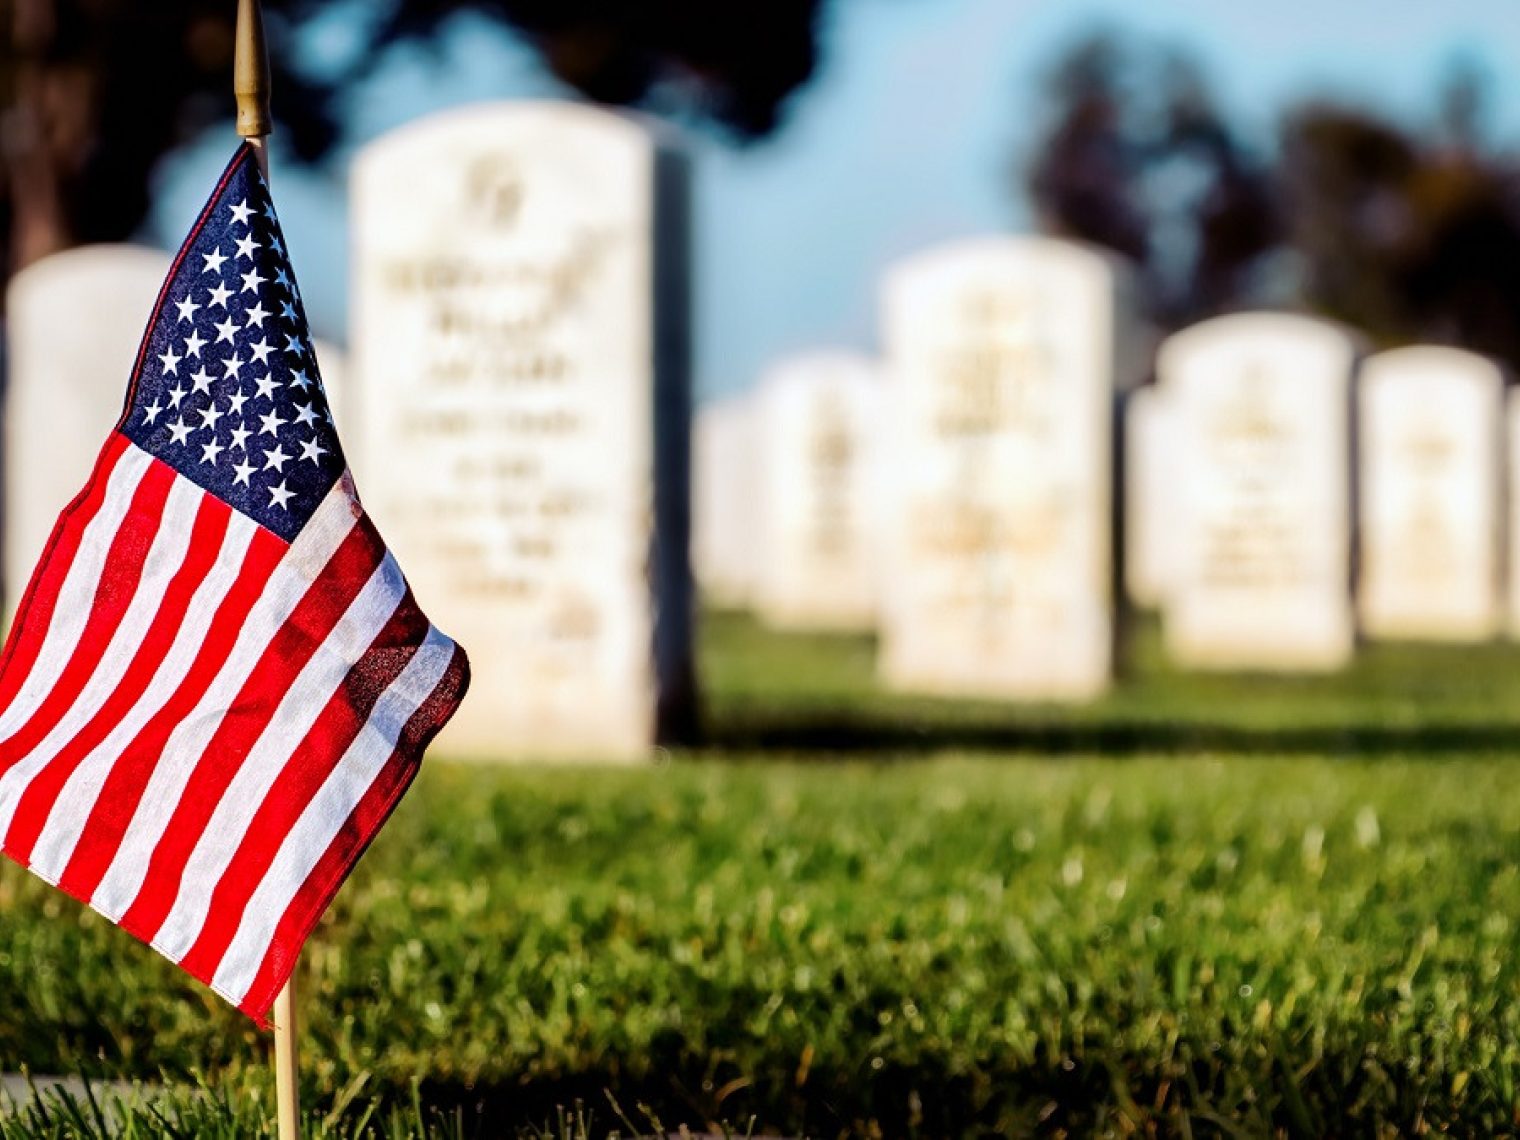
[1409, 236]
[1235, 218]
[732, 63]
[1346, 181]
[94, 92]
[1409, 233]
[1138, 159]
[1085, 179]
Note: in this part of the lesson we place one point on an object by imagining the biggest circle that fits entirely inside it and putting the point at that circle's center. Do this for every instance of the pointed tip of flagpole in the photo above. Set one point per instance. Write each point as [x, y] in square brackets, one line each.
[250, 73]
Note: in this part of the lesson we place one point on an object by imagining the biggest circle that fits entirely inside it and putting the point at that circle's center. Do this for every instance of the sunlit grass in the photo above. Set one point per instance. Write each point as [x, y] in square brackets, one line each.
[960, 942]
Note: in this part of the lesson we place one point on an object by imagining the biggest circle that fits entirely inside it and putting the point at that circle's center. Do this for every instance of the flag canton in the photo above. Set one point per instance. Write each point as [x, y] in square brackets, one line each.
[227, 390]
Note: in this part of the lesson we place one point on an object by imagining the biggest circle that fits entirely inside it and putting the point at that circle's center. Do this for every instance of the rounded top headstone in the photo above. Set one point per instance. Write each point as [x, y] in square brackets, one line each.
[999, 257]
[494, 189]
[1269, 335]
[100, 267]
[1432, 360]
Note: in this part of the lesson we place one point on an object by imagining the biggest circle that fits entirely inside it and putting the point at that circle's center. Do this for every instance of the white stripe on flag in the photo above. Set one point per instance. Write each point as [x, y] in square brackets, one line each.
[327, 813]
[302, 564]
[165, 557]
[76, 803]
[76, 597]
[307, 696]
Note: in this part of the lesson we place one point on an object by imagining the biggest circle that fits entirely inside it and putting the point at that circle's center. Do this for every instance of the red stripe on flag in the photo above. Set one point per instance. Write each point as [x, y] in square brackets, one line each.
[302, 777]
[319, 610]
[35, 613]
[124, 787]
[209, 529]
[348, 845]
[113, 594]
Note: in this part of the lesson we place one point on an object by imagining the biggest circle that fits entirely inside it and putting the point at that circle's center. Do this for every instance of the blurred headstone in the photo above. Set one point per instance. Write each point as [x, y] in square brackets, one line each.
[997, 563]
[75, 323]
[522, 402]
[1263, 502]
[1150, 484]
[1430, 487]
[725, 488]
[819, 425]
[332, 366]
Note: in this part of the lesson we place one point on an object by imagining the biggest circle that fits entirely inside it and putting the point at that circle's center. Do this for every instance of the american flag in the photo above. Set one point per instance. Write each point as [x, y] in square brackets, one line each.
[218, 684]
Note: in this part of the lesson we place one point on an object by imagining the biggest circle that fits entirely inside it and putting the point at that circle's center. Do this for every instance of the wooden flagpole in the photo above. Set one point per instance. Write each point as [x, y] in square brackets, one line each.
[287, 1088]
[250, 83]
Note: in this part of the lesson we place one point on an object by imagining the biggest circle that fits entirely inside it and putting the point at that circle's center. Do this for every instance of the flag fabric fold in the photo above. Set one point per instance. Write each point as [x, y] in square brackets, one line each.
[218, 684]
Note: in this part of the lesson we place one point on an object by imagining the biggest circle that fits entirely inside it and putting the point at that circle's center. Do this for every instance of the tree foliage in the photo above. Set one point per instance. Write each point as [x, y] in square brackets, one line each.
[733, 63]
[1410, 235]
[1139, 160]
[1410, 232]
[94, 92]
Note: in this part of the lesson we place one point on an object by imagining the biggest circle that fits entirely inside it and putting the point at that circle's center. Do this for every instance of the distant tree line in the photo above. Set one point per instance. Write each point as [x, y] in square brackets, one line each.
[1409, 231]
[94, 92]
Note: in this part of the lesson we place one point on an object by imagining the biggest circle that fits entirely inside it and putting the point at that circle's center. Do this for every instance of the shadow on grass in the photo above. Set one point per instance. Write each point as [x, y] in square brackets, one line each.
[1100, 1093]
[852, 737]
[921, 1099]
[819, 695]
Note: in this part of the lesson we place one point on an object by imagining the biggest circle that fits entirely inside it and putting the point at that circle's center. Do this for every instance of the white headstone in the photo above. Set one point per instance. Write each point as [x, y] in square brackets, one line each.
[819, 563]
[997, 461]
[332, 364]
[725, 486]
[521, 396]
[1262, 406]
[1150, 485]
[1430, 487]
[75, 323]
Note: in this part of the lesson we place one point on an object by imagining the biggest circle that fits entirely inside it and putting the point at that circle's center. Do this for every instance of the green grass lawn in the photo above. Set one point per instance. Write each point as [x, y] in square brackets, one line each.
[1213, 906]
[808, 692]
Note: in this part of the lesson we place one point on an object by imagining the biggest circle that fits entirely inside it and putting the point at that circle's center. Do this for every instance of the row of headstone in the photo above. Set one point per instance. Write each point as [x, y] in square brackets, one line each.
[519, 422]
[1245, 502]
[961, 501]
[1276, 508]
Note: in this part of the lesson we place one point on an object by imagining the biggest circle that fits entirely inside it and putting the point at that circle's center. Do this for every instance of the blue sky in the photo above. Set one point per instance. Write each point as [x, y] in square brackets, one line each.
[908, 135]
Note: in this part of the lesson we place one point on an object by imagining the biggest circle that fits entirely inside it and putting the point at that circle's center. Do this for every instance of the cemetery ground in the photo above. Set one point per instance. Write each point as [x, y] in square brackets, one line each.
[1203, 906]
